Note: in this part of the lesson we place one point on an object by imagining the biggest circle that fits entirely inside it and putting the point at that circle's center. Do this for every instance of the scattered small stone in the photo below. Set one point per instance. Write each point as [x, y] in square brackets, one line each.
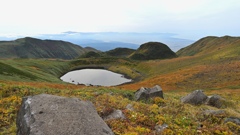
[110, 93]
[217, 113]
[233, 119]
[116, 114]
[130, 107]
[160, 128]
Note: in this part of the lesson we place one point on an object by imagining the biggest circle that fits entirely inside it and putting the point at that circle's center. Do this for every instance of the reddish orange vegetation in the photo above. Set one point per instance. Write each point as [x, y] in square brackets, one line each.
[226, 91]
[183, 73]
[166, 81]
[222, 75]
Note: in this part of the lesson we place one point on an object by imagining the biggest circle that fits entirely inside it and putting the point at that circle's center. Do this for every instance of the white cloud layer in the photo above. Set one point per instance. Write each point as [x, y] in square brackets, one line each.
[214, 17]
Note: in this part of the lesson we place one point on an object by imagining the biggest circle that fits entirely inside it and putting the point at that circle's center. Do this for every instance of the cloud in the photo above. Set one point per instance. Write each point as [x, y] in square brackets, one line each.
[55, 16]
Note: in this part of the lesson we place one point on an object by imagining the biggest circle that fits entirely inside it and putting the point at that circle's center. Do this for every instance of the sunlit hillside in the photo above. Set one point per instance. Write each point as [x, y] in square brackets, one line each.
[214, 66]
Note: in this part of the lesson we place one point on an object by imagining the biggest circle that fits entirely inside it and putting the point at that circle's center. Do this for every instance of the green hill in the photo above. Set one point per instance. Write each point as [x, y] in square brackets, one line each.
[151, 51]
[36, 48]
[117, 52]
[227, 45]
[120, 52]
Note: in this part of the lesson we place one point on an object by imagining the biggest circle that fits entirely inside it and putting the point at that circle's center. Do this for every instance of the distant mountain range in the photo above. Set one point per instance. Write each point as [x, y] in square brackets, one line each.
[147, 51]
[35, 48]
[105, 41]
[106, 46]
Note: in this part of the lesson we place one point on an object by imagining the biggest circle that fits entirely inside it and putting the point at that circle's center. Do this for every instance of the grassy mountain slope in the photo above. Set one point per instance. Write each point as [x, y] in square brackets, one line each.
[8, 70]
[152, 50]
[206, 45]
[211, 68]
[29, 70]
[36, 48]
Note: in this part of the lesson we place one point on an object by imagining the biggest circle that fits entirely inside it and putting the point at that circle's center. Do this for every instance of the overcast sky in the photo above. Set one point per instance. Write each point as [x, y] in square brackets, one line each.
[191, 19]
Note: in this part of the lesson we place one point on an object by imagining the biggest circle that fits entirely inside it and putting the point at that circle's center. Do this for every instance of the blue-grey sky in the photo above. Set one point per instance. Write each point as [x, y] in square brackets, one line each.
[190, 19]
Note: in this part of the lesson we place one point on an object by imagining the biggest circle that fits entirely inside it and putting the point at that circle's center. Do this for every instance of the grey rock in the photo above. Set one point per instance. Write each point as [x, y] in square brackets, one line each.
[233, 119]
[197, 97]
[160, 128]
[116, 114]
[130, 107]
[215, 101]
[214, 112]
[54, 115]
[147, 93]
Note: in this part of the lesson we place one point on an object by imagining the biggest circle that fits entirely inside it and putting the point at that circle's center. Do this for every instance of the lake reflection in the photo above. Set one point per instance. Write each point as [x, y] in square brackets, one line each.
[94, 77]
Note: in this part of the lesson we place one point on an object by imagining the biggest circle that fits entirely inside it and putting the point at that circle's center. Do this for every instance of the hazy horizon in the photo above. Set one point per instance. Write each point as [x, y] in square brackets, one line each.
[187, 19]
[105, 41]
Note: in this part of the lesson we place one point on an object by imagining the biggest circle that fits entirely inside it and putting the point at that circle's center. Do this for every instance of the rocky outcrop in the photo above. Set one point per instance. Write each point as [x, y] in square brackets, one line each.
[197, 97]
[147, 93]
[53, 115]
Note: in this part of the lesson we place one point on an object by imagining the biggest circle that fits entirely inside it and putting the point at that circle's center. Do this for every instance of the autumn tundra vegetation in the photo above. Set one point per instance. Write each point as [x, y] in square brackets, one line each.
[211, 64]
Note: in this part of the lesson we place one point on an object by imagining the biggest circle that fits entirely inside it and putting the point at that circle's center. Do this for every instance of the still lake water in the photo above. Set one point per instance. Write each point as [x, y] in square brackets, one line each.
[94, 77]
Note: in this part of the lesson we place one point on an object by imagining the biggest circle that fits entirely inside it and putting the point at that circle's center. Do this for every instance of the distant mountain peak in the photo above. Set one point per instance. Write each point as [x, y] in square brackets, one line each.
[153, 50]
[70, 32]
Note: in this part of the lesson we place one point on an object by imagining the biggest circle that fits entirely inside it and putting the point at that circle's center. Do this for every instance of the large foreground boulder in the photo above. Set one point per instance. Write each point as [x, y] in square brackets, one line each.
[53, 115]
[197, 97]
[147, 93]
